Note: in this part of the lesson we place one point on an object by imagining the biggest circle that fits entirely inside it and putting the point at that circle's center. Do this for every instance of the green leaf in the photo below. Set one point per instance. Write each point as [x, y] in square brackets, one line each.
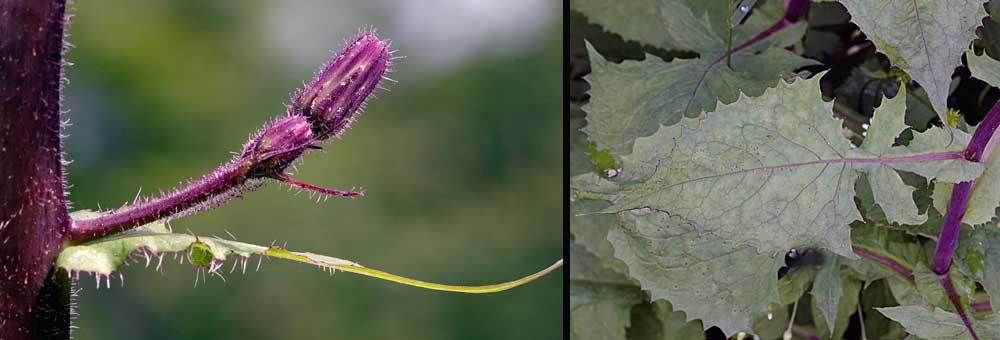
[743, 185]
[985, 197]
[983, 67]
[699, 272]
[632, 99]
[991, 30]
[772, 172]
[600, 312]
[905, 292]
[890, 244]
[579, 160]
[874, 216]
[926, 290]
[630, 19]
[659, 321]
[600, 299]
[104, 255]
[700, 26]
[772, 325]
[828, 290]
[867, 271]
[836, 300]
[930, 288]
[919, 112]
[890, 193]
[940, 140]
[877, 325]
[939, 324]
[602, 160]
[925, 38]
[675, 325]
[588, 267]
[986, 241]
[591, 232]
[794, 284]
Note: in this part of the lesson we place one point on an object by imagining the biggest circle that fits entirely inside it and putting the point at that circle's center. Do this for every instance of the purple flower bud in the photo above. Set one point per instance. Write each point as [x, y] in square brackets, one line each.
[322, 109]
[280, 143]
[333, 97]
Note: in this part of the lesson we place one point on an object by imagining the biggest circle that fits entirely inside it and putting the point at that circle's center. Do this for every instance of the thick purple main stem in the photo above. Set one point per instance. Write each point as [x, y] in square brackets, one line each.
[979, 149]
[983, 140]
[34, 303]
[948, 238]
[227, 177]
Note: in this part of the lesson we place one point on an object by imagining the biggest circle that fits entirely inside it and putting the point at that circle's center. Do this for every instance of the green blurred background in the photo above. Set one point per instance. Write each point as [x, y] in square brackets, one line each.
[461, 163]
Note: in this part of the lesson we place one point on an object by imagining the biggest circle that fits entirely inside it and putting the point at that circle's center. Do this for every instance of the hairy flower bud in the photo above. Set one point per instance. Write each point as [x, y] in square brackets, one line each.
[280, 143]
[333, 97]
[324, 108]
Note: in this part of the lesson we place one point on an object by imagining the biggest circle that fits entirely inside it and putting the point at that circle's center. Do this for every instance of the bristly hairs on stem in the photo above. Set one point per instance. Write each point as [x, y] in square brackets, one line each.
[324, 108]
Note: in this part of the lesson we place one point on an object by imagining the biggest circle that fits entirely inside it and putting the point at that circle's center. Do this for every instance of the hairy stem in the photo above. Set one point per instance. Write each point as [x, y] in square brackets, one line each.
[33, 217]
[323, 109]
[218, 184]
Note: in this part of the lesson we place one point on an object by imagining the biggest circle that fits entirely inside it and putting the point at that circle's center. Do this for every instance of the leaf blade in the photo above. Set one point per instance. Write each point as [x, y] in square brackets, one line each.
[925, 38]
[689, 268]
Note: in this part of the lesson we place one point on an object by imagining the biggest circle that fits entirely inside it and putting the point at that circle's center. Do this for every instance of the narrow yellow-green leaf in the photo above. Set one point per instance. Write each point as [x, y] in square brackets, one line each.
[105, 255]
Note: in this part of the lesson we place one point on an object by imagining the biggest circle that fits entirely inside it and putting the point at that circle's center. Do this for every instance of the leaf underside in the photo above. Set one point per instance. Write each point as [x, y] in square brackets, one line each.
[632, 99]
[724, 166]
[939, 324]
[925, 38]
[600, 299]
[774, 171]
[720, 199]
[721, 283]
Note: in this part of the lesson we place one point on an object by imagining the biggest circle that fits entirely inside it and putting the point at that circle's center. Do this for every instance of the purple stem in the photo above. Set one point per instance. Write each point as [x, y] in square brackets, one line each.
[777, 27]
[805, 333]
[794, 9]
[34, 300]
[945, 280]
[323, 109]
[899, 268]
[982, 143]
[906, 272]
[982, 306]
[213, 186]
[948, 238]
